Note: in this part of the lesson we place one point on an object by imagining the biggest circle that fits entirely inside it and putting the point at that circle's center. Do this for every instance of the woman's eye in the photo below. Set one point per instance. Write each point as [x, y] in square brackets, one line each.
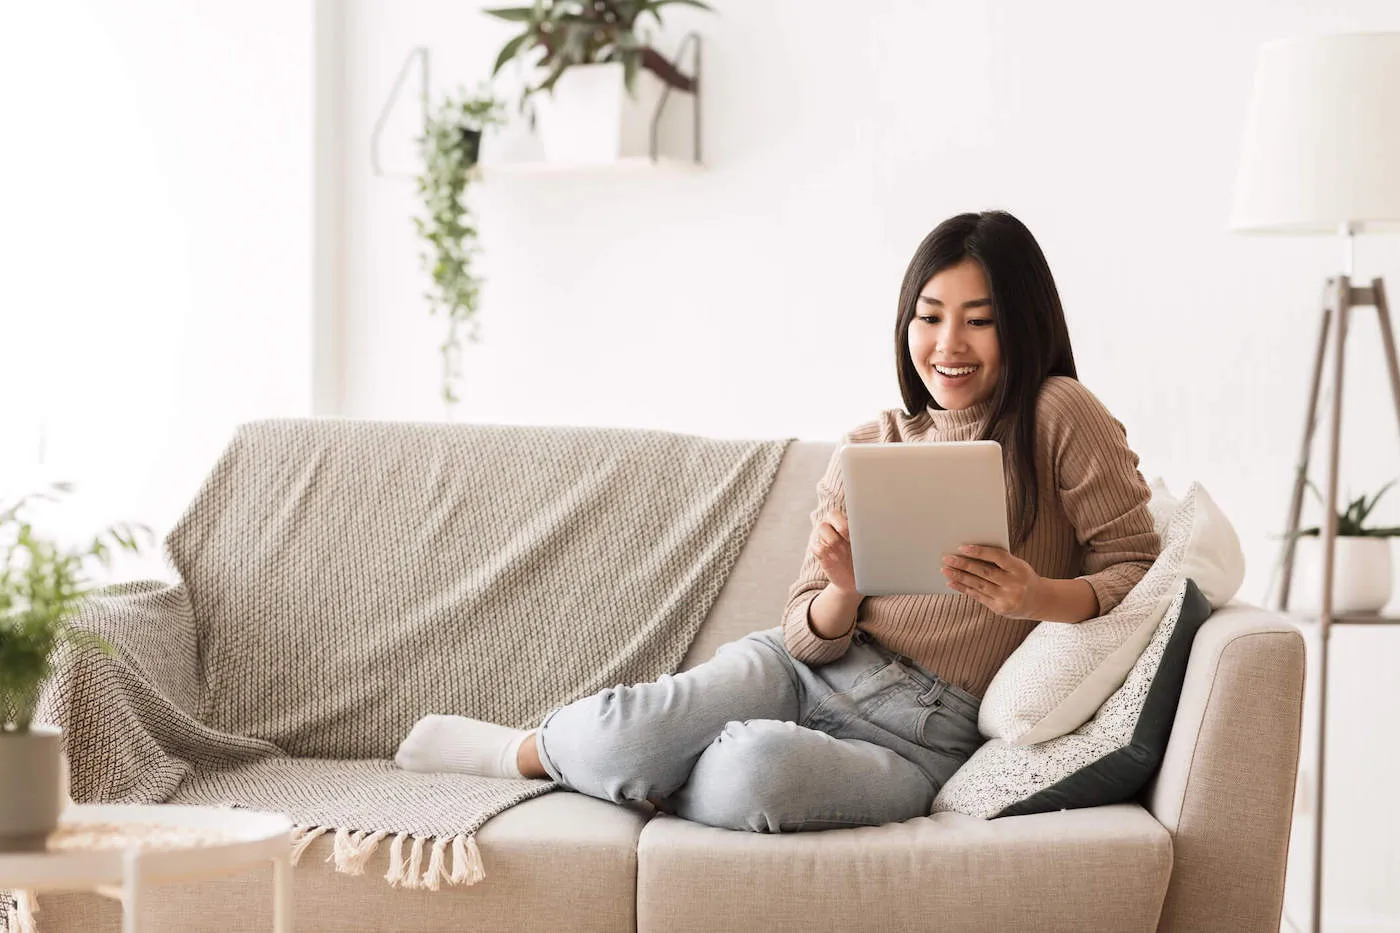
[929, 318]
[981, 321]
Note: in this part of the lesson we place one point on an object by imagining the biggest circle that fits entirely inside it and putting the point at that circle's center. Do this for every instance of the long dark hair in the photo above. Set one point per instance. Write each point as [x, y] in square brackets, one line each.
[1030, 327]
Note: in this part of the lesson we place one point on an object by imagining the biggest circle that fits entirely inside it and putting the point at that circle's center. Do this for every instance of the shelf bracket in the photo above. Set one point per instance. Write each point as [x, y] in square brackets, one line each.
[421, 54]
[691, 40]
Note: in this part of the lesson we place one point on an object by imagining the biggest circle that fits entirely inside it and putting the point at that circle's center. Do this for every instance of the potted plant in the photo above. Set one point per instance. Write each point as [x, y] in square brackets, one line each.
[42, 586]
[590, 51]
[450, 147]
[1361, 566]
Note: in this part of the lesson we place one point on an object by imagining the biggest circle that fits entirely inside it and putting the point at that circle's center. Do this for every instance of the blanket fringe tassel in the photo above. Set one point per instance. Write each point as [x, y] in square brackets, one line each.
[302, 837]
[450, 859]
[20, 911]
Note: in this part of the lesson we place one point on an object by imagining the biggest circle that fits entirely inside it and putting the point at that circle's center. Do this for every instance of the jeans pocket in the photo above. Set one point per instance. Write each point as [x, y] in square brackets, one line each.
[949, 732]
[860, 696]
[869, 673]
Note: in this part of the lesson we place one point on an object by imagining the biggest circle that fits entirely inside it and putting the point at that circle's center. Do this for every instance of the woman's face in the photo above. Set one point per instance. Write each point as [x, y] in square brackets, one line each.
[953, 329]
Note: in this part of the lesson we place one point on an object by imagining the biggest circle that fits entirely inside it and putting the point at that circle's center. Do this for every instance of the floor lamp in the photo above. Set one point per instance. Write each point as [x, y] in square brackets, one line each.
[1321, 156]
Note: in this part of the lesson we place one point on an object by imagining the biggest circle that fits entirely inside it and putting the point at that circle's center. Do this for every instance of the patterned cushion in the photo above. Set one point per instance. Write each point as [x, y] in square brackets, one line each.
[1107, 760]
[1061, 674]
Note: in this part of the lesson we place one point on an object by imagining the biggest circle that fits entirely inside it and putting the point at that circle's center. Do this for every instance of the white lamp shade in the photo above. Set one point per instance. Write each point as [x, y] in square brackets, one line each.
[1322, 140]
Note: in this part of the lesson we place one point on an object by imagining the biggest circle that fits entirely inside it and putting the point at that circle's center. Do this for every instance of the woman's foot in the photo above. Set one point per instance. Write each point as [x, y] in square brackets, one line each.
[464, 746]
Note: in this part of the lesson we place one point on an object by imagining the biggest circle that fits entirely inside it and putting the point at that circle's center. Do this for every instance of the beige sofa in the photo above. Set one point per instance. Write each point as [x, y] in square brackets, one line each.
[1204, 848]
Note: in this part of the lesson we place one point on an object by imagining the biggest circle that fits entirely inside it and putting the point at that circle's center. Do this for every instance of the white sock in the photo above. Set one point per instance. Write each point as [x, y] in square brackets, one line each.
[466, 746]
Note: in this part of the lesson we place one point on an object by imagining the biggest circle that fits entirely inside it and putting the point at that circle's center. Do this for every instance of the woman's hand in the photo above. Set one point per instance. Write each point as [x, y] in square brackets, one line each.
[995, 578]
[831, 546]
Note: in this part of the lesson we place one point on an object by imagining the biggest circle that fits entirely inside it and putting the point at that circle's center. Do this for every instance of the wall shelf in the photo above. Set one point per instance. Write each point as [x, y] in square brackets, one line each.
[616, 167]
[690, 43]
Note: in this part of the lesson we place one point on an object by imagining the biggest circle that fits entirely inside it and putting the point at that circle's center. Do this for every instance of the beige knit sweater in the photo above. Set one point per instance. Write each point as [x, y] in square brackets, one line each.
[1093, 523]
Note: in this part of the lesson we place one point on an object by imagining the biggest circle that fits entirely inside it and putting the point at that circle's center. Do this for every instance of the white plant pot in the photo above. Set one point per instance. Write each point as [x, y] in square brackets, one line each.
[1360, 581]
[591, 119]
[33, 788]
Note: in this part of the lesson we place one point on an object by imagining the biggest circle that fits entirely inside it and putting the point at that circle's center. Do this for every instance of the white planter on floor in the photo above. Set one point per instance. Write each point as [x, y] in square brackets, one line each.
[590, 118]
[1360, 582]
[33, 787]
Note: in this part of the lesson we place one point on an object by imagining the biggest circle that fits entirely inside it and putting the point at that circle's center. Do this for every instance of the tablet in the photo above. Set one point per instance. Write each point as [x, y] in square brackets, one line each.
[909, 504]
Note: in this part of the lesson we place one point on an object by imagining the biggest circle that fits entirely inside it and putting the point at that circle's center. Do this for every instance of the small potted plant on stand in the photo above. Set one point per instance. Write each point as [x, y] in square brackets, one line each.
[1361, 567]
[604, 79]
[42, 585]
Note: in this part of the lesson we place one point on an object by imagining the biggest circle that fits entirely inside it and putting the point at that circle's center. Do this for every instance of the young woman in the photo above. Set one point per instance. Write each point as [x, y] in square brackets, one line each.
[856, 710]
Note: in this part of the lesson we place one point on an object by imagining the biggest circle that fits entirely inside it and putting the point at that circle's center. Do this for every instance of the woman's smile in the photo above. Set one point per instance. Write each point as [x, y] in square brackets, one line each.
[955, 375]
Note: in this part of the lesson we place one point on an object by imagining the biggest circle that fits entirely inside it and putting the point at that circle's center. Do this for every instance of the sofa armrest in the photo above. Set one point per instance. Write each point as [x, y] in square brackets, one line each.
[130, 717]
[1226, 785]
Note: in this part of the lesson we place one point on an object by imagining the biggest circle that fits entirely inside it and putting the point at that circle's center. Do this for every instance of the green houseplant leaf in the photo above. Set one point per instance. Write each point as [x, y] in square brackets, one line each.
[1351, 521]
[518, 14]
[510, 50]
[42, 587]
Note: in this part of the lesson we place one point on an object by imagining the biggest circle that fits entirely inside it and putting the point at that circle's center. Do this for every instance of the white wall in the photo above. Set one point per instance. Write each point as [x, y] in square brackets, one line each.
[155, 228]
[159, 282]
[757, 298]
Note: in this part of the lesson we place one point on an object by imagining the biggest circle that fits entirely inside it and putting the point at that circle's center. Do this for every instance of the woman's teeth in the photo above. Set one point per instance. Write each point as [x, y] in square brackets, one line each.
[955, 373]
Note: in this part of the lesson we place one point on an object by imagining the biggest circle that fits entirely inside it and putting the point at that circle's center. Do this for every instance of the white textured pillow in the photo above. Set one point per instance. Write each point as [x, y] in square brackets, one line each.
[1214, 558]
[1061, 674]
[1162, 505]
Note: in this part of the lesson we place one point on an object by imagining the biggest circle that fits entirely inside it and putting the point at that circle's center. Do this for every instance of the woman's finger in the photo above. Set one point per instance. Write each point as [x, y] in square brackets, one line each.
[992, 555]
[989, 572]
[970, 593]
[967, 580]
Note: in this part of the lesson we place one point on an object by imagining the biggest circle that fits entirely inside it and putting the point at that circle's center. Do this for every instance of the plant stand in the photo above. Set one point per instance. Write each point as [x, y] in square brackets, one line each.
[1340, 297]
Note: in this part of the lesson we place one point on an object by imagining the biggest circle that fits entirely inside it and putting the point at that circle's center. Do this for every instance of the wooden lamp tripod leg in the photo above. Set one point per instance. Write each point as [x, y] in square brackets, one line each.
[1300, 478]
[1388, 343]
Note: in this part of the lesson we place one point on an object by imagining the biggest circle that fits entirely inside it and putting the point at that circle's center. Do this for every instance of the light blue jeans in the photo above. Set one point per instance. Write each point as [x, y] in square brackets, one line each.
[756, 740]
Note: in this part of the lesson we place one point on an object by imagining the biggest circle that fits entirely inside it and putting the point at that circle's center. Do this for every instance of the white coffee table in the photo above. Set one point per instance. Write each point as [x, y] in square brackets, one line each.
[120, 850]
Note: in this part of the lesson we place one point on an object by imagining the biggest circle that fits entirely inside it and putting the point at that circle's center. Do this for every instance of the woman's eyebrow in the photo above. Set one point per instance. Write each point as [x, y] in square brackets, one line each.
[974, 303]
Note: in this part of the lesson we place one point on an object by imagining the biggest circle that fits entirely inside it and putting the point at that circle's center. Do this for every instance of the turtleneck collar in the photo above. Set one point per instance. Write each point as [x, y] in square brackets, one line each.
[944, 420]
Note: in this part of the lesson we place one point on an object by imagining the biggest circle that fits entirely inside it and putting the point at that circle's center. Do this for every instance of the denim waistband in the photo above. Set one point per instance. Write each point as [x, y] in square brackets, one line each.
[936, 687]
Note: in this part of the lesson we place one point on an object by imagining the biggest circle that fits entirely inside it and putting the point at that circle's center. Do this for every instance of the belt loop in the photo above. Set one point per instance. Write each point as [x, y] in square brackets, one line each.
[934, 694]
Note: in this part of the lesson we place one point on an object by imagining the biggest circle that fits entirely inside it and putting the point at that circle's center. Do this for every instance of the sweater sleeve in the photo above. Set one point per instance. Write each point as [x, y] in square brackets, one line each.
[1101, 490]
[802, 642]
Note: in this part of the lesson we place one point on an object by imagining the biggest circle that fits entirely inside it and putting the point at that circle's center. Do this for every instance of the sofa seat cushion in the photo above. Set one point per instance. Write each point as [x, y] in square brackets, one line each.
[1101, 868]
[562, 861]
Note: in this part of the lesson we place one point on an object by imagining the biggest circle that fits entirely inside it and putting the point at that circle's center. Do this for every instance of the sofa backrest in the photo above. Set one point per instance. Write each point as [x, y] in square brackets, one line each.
[755, 594]
[347, 576]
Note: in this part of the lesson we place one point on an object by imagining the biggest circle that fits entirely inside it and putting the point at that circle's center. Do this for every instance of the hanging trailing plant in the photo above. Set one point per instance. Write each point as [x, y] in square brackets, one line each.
[450, 146]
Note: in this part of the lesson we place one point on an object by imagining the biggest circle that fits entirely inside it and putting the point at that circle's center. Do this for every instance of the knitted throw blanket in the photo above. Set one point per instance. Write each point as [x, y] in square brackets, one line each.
[340, 579]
